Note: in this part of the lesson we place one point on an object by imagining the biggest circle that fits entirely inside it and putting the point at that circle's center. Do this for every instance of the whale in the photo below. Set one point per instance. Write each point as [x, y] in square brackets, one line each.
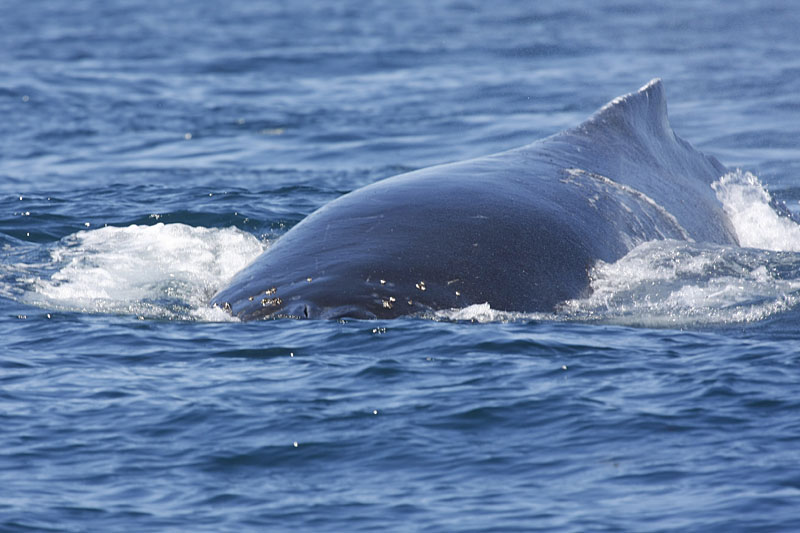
[519, 230]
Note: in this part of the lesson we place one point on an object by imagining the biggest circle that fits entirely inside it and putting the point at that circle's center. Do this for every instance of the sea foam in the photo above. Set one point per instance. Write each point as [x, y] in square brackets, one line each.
[159, 271]
[749, 207]
[170, 271]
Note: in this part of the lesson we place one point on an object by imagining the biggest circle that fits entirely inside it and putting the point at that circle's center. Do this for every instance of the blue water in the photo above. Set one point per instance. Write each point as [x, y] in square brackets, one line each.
[149, 151]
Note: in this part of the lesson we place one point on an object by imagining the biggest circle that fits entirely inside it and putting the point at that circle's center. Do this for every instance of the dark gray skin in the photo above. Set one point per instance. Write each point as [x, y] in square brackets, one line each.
[519, 230]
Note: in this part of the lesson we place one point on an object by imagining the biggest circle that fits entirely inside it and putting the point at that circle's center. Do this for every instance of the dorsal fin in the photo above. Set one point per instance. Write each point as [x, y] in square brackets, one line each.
[632, 114]
[630, 141]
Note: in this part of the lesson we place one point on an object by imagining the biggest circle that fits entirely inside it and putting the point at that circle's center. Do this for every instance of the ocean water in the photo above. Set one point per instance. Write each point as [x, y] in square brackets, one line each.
[149, 151]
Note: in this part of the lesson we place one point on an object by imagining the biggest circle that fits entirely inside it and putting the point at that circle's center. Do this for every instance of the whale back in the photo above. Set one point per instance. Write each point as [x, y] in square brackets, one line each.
[519, 230]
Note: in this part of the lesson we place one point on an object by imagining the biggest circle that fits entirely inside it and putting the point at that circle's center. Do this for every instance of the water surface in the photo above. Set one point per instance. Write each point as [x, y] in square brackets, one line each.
[148, 152]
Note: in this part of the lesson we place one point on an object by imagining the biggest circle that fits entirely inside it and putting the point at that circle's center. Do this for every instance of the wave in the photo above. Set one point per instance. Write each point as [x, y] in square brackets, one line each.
[170, 271]
[164, 271]
[678, 283]
[758, 219]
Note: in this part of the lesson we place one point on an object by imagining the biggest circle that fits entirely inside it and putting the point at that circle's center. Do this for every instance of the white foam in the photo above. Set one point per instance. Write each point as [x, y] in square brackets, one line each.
[478, 313]
[676, 283]
[160, 271]
[679, 283]
[748, 206]
[171, 271]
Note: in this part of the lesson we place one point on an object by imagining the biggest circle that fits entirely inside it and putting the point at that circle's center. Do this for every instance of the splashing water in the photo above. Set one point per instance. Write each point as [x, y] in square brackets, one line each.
[759, 221]
[171, 271]
[678, 283]
[160, 271]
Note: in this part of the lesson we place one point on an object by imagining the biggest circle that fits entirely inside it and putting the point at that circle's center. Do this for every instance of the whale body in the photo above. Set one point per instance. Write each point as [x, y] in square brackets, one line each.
[520, 229]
